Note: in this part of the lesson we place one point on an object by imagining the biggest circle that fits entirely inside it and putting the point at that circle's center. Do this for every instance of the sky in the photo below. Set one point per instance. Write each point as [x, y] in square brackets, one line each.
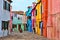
[21, 5]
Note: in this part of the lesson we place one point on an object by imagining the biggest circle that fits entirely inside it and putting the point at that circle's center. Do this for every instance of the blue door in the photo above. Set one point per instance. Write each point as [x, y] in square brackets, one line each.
[41, 26]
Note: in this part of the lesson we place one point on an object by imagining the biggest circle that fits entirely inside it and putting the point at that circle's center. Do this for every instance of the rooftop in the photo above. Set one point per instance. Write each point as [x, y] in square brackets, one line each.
[18, 12]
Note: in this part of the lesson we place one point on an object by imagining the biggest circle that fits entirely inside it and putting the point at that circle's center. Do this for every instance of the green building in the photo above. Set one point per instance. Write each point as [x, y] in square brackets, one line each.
[19, 21]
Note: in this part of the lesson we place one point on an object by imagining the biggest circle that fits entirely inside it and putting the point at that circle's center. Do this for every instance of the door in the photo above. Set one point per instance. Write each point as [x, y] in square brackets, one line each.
[5, 25]
[19, 27]
[41, 27]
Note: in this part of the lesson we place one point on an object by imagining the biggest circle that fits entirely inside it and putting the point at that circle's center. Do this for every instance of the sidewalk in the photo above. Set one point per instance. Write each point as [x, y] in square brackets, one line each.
[23, 36]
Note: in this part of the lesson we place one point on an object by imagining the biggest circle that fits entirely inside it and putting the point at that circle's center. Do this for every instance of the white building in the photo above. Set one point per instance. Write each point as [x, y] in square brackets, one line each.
[4, 17]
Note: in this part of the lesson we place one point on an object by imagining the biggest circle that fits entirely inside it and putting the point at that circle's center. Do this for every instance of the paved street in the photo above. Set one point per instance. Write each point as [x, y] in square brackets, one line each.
[23, 36]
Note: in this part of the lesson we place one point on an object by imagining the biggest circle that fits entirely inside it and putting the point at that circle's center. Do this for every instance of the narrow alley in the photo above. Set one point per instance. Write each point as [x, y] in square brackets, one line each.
[29, 19]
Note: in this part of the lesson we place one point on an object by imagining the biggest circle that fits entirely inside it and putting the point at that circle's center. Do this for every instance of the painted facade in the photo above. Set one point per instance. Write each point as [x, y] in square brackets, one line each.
[29, 20]
[34, 16]
[4, 17]
[18, 21]
[10, 22]
[28, 12]
[44, 16]
[38, 18]
[53, 24]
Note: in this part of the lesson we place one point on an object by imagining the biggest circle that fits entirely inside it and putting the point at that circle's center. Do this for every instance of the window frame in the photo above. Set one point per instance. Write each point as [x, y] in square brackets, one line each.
[6, 5]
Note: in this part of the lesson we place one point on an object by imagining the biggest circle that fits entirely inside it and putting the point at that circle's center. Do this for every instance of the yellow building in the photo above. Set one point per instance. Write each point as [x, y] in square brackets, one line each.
[38, 17]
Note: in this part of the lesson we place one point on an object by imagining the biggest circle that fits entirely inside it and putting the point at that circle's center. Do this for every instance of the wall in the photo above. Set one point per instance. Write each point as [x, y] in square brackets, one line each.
[5, 13]
[1, 33]
[0, 8]
[24, 19]
[29, 20]
[28, 13]
[53, 31]
[38, 18]
[10, 21]
[15, 19]
[44, 16]
[4, 16]
[0, 13]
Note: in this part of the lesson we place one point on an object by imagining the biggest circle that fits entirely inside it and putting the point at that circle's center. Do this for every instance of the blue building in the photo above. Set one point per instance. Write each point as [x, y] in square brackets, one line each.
[29, 20]
[28, 12]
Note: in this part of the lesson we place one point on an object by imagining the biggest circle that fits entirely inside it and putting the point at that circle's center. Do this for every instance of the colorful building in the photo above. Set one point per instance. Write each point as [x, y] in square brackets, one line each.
[44, 16]
[19, 20]
[4, 17]
[53, 24]
[10, 22]
[29, 20]
[38, 17]
[33, 16]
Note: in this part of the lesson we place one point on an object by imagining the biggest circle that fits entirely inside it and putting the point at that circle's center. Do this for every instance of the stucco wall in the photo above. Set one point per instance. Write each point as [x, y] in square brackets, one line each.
[53, 24]
[0, 9]
[22, 20]
[4, 16]
[28, 13]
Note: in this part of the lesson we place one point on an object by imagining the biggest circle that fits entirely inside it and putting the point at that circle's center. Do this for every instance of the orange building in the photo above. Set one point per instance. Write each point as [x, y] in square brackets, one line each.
[44, 16]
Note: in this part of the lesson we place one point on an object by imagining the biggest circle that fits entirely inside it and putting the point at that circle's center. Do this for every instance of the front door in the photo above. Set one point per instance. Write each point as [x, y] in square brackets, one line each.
[5, 25]
[19, 27]
[41, 27]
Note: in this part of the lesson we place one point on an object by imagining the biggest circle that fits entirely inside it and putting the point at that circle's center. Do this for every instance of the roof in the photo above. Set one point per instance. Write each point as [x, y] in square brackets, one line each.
[18, 12]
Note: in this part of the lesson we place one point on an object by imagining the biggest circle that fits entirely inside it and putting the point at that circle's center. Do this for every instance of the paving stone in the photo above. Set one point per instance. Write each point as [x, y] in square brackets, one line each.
[23, 36]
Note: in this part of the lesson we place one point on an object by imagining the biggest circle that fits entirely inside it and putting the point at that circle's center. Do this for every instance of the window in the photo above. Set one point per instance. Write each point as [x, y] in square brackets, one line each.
[14, 26]
[6, 6]
[15, 15]
[12, 17]
[40, 24]
[36, 12]
[5, 25]
[18, 18]
[41, 9]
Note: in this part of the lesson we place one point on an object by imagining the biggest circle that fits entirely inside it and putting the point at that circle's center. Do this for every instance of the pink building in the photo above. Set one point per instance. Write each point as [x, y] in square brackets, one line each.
[53, 24]
[10, 22]
[33, 14]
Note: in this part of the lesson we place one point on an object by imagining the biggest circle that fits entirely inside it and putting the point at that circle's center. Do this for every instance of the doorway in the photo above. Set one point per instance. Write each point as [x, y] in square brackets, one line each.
[19, 27]
[41, 27]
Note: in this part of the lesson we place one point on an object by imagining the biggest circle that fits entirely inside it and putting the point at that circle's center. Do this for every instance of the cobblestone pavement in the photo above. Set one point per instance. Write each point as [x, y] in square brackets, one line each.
[23, 36]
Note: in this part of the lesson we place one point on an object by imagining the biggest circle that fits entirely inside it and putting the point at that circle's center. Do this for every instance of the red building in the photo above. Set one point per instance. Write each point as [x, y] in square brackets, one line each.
[44, 16]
